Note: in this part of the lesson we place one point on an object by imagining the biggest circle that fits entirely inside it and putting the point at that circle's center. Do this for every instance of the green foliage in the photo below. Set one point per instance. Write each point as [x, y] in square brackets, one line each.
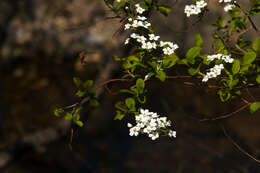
[236, 66]
[256, 45]
[254, 107]
[170, 61]
[248, 58]
[142, 65]
[192, 54]
[164, 9]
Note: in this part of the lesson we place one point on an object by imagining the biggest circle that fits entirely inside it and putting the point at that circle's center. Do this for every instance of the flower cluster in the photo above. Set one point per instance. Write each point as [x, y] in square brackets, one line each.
[216, 70]
[195, 9]
[213, 72]
[229, 6]
[149, 41]
[225, 58]
[152, 124]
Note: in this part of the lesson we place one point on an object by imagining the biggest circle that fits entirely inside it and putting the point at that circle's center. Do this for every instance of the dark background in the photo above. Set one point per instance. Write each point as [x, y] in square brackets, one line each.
[40, 42]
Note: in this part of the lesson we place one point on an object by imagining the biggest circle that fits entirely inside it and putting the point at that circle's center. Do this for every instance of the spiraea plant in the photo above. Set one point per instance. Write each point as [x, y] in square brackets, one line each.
[231, 68]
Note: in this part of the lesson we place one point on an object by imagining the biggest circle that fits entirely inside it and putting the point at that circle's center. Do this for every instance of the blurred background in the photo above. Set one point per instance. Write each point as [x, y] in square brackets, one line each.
[40, 43]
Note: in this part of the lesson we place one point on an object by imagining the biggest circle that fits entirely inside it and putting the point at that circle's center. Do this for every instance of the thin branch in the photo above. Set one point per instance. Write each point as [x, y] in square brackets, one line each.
[109, 81]
[237, 146]
[227, 115]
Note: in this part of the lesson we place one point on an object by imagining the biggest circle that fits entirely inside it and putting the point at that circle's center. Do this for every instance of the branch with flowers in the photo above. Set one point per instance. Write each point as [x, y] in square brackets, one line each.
[231, 68]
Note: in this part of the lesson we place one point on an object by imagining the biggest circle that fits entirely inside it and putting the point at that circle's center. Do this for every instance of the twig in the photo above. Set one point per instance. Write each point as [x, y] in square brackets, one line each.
[227, 115]
[109, 81]
[237, 146]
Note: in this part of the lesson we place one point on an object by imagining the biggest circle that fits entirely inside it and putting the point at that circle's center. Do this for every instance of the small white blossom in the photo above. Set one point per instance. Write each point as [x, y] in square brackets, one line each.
[194, 9]
[172, 133]
[127, 26]
[134, 131]
[139, 9]
[147, 45]
[127, 40]
[129, 125]
[154, 136]
[228, 7]
[153, 37]
[168, 51]
[141, 18]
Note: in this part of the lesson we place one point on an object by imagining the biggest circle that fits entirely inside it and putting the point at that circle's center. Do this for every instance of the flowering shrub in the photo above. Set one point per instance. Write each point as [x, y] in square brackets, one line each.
[231, 67]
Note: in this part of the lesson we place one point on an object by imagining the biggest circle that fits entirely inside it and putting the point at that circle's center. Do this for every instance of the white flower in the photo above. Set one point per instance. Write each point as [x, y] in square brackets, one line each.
[201, 4]
[205, 78]
[228, 7]
[168, 51]
[146, 24]
[127, 40]
[130, 19]
[154, 45]
[213, 72]
[154, 136]
[129, 125]
[147, 45]
[194, 9]
[141, 39]
[153, 37]
[134, 131]
[139, 9]
[150, 123]
[134, 35]
[127, 26]
[141, 18]
[137, 23]
[172, 133]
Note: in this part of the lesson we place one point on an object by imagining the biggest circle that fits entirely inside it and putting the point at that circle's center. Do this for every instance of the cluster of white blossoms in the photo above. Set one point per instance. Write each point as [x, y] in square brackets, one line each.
[228, 6]
[213, 72]
[216, 70]
[194, 9]
[226, 58]
[151, 41]
[150, 123]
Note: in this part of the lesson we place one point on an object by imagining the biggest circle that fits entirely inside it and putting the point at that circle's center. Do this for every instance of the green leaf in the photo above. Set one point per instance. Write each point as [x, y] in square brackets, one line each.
[193, 71]
[164, 10]
[192, 54]
[248, 58]
[198, 40]
[80, 93]
[87, 84]
[126, 91]
[170, 61]
[140, 85]
[254, 107]
[149, 1]
[256, 45]
[130, 103]
[161, 75]
[258, 79]
[68, 116]
[76, 116]
[59, 112]
[120, 105]
[119, 115]
[94, 103]
[77, 81]
[224, 95]
[79, 123]
[236, 66]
